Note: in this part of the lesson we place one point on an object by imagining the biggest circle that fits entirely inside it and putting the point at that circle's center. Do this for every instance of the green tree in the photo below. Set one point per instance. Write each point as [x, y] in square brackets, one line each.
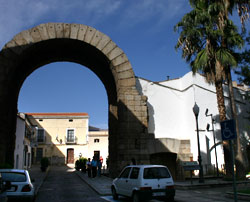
[226, 8]
[202, 41]
[244, 67]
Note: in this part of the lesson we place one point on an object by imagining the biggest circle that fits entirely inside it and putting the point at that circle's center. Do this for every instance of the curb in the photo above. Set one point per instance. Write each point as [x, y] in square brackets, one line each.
[82, 178]
[92, 186]
[39, 185]
[244, 197]
[200, 186]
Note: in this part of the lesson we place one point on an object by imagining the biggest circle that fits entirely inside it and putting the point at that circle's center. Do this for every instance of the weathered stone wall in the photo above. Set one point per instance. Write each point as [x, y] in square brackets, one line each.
[127, 111]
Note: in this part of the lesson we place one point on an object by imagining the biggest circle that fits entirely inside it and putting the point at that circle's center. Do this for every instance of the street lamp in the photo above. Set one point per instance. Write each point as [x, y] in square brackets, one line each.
[208, 125]
[196, 111]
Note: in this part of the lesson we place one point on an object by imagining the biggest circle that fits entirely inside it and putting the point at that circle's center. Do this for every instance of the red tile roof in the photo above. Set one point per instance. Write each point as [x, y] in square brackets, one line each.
[58, 114]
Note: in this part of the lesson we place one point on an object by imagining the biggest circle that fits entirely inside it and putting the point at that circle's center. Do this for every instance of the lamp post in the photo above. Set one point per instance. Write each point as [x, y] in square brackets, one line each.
[212, 120]
[196, 111]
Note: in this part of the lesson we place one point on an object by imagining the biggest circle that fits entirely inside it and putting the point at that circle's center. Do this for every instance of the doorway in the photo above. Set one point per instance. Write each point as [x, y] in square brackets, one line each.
[70, 156]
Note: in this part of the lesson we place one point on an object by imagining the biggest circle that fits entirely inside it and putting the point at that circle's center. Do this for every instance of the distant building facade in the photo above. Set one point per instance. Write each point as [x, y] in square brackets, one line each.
[64, 137]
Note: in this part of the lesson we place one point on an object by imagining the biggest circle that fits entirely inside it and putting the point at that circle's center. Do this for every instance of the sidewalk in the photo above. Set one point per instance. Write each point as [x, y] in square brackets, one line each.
[37, 175]
[207, 183]
[102, 185]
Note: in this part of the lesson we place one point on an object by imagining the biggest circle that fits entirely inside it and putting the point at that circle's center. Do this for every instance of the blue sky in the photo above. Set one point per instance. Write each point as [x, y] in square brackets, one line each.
[143, 29]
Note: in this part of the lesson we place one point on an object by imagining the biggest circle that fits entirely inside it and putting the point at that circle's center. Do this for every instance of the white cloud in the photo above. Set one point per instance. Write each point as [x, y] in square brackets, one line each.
[162, 11]
[16, 15]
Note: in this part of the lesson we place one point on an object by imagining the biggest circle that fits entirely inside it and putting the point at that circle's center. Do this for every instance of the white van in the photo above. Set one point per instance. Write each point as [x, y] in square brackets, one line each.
[144, 182]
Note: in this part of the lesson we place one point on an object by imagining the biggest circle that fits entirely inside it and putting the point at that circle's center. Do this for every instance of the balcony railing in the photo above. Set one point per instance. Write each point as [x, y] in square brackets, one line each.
[71, 140]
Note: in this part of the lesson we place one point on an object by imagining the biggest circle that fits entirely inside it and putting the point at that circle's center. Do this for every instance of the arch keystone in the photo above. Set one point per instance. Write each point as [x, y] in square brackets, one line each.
[66, 28]
[81, 32]
[74, 31]
[59, 30]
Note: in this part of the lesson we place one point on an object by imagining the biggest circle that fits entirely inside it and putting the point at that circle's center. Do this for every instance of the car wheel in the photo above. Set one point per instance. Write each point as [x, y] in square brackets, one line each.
[114, 194]
[136, 197]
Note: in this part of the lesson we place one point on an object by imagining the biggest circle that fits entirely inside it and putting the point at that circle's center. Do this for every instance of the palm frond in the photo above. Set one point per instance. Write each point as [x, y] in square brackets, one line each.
[225, 57]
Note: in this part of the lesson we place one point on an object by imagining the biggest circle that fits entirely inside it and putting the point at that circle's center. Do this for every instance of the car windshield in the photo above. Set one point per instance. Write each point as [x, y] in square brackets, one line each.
[156, 173]
[13, 176]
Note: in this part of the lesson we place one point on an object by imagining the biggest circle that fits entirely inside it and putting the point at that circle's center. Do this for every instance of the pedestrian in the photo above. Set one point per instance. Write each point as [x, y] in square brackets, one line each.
[89, 167]
[94, 167]
[99, 168]
[133, 162]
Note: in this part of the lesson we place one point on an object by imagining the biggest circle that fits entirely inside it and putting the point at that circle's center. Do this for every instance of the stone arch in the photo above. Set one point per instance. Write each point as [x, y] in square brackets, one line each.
[51, 42]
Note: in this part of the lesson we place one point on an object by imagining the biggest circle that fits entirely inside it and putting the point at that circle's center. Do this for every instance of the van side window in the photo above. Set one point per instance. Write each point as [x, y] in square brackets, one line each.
[125, 173]
[135, 173]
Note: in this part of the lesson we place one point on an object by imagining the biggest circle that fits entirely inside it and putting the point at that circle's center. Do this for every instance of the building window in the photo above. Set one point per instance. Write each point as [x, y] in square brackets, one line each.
[70, 135]
[40, 135]
[96, 140]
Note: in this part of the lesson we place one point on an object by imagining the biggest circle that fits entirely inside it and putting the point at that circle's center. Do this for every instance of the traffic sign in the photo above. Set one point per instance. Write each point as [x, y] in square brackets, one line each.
[228, 130]
[190, 165]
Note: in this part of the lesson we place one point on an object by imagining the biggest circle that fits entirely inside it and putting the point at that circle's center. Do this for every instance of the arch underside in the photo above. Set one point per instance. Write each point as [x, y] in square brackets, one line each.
[81, 44]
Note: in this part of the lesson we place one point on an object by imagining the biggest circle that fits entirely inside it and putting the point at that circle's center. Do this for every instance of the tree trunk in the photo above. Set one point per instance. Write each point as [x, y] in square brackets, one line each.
[239, 161]
[222, 114]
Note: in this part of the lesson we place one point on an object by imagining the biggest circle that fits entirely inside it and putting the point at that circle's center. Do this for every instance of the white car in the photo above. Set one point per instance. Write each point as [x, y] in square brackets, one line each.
[21, 186]
[3, 196]
[144, 182]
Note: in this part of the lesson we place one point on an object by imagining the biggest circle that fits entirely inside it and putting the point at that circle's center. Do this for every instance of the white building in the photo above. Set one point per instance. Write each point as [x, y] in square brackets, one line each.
[171, 117]
[22, 153]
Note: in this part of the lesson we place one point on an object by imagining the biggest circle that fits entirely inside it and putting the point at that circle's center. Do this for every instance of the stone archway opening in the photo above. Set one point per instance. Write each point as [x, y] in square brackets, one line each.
[84, 45]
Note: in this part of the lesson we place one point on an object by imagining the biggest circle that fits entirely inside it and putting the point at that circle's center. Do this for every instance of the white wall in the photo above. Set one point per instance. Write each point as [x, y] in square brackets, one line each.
[20, 131]
[171, 115]
[21, 142]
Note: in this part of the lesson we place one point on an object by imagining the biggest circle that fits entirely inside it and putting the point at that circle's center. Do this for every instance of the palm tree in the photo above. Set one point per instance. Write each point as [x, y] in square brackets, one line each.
[226, 7]
[245, 64]
[201, 42]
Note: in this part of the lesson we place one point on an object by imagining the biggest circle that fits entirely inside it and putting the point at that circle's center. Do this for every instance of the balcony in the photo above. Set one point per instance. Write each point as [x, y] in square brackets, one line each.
[71, 140]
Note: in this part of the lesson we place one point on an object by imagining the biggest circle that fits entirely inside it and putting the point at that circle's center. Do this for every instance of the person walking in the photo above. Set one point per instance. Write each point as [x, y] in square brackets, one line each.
[94, 167]
[99, 168]
[89, 167]
[133, 162]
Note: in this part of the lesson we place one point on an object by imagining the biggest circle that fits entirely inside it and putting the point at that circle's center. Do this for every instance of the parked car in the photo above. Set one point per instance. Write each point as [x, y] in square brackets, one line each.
[3, 195]
[144, 182]
[21, 187]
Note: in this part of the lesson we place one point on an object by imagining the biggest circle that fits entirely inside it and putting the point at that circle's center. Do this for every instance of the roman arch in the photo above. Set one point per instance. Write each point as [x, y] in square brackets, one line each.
[85, 45]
